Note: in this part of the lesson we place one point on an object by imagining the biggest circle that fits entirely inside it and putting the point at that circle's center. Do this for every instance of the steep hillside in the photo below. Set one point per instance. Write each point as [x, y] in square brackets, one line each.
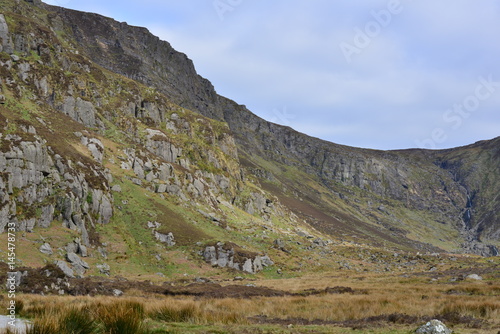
[477, 168]
[114, 150]
[96, 165]
[421, 199]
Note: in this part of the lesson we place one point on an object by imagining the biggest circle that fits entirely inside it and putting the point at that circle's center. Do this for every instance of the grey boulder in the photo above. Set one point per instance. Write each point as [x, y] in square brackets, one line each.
[433, 327]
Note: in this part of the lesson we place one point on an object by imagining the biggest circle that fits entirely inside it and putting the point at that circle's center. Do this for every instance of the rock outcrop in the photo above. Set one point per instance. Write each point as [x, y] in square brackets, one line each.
[231, 256]
[78, 265]
[423, 181]
[64, 121]
[5, 38]
[33, 183]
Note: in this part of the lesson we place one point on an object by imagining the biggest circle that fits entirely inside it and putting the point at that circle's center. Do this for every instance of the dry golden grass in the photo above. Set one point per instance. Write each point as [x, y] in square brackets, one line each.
[372, 297]
[377, 295]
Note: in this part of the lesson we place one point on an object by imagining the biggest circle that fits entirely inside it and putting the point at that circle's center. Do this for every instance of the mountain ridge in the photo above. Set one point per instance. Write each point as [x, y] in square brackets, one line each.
[204, 168]
[244, 124]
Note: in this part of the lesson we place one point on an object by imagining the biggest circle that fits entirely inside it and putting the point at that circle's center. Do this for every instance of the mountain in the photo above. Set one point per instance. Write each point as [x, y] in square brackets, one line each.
[114, 149]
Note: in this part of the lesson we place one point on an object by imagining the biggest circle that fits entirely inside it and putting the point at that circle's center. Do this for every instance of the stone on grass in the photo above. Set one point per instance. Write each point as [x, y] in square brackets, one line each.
[104, 269]
[46, 249]
[475, 277]
[117, 293]
[65, 269]
[116, 188]
[433, 327]
[165, 238]
[75, 260]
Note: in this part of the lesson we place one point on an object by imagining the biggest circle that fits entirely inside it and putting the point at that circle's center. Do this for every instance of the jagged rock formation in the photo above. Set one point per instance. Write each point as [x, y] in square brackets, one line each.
[413, 178]
[231, 256]
[38, 184]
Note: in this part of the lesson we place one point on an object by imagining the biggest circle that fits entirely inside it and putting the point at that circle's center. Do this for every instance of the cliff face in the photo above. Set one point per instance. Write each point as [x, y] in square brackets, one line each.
[40, 183]
[477, 169]
[137, 54]
[151, 119]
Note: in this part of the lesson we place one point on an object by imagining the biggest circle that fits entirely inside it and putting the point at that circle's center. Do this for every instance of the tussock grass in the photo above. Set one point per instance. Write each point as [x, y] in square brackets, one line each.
[121, 317]
[168, 313]
[197, 312]
[475, 308]
[373, 297]
[87, 317]
[46, 324]
[78, 321]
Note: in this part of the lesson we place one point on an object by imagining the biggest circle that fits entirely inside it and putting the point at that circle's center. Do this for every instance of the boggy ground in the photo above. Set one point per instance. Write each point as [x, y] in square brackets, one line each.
[335, 302]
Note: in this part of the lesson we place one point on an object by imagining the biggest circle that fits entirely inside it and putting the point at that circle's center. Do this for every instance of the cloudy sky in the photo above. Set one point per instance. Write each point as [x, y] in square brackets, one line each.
[377, 74]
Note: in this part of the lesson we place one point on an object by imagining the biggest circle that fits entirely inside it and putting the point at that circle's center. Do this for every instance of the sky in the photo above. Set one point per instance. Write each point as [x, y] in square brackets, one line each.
[390, 74]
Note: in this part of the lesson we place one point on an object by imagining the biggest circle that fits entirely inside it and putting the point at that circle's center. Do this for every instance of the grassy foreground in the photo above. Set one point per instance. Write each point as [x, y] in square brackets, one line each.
[370, 304]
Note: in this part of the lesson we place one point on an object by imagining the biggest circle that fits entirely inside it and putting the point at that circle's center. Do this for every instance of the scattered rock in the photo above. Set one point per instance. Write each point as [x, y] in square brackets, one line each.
[75, 260]
[102, 251]
[266, 261]
[257, 264]
[201, 280]
[304, 234]
[82, 250]
[475, 277]
[117, 292]
[96, 148]
[77, 247]
[210, 255]
[161, 188]
[278, 243]
[319, 242]
[104, 269]
[65, 269]
[232, 256]
[210, 216]
[433, 327]
[46, 249]
[165, 238]
[154, 224]
[116, 188]
[247, 266]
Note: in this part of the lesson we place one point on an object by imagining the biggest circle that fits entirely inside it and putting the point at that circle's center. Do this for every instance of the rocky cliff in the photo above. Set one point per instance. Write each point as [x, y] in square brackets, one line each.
[414, 179]
[110, 133]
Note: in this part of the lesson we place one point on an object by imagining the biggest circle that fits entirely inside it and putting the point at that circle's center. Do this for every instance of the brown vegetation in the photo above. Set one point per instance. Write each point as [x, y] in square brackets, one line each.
[373, 302]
